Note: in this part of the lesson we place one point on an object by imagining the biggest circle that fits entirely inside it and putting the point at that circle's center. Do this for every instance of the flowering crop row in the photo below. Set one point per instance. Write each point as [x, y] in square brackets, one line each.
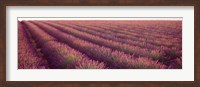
[60, 55]
[93, 31]
[155, 27]
[156, 53]
[27, 56]
[166, 28]
[128, 49]
[143, 27]
[129, 35]
[132, 30]
[119, 33]
[138, 41]
[165, 53]
[150, 34]
[113, 58]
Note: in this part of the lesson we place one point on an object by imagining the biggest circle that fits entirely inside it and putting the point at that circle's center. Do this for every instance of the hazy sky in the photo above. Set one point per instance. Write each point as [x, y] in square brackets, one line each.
[99, 19]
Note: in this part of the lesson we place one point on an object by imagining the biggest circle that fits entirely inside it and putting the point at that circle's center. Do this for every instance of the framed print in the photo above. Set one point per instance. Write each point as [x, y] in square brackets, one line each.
[100, 43]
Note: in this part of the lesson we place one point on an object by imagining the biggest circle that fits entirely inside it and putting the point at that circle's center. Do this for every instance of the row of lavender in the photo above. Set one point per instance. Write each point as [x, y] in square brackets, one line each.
[58, 55]
[70, 45]
[27, 56]
[164, 54]
[137, 33]
[153, 27]
[168, 54]
[113, 58]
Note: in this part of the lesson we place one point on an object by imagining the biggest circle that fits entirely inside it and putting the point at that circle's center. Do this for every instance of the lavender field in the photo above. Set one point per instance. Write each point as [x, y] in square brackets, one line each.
[100, 44]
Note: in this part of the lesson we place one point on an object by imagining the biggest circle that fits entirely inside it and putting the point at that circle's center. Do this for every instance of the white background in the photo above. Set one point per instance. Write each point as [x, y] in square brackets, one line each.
[185, 74]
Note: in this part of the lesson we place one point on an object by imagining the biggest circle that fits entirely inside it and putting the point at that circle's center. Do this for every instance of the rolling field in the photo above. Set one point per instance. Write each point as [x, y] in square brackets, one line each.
[100, 44]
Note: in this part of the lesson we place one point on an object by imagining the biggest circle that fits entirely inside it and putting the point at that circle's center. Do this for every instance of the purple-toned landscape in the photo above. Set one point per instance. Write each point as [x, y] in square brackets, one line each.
[100, 44]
